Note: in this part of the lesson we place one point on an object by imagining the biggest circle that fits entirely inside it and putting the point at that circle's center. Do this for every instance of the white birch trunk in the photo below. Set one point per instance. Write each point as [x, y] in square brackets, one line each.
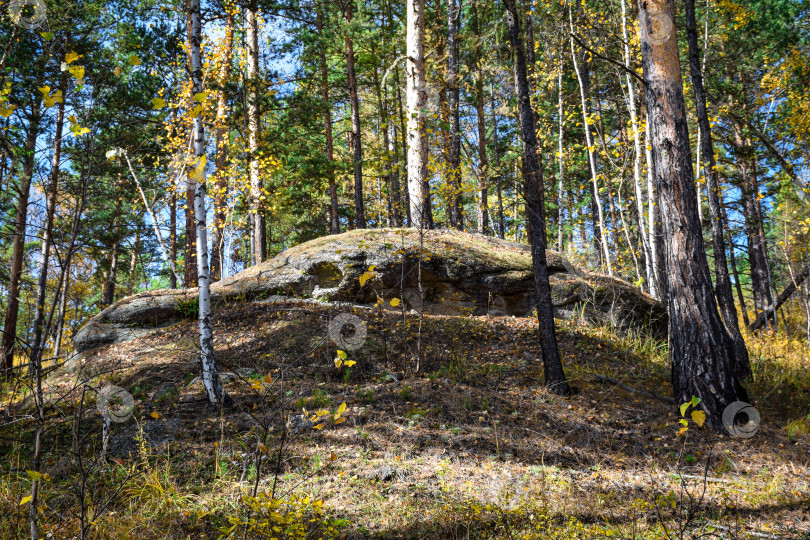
[631, 105]
[651, 209]
[260, 248]
[155, 224]
[417, 98]
[591, 159]
[210, 377]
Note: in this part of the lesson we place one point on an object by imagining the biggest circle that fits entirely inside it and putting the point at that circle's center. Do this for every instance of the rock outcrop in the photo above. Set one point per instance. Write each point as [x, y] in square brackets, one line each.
[460, 274]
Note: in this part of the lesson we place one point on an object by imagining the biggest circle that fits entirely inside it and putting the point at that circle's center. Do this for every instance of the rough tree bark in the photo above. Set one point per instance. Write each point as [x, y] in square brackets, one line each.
[725, 297]
[497, 162]
[18, 244]
[357, 148]
[483, 182]
[334, 219]
[533, 193]
[749, 186]
[454, 156]
[703, 354]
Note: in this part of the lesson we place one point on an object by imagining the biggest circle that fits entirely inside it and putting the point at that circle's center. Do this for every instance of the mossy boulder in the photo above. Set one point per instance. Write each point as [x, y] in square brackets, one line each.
[460, 274]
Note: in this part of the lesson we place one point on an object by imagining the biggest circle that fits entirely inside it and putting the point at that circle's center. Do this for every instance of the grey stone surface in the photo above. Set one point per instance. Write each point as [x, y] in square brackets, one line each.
[461, 274]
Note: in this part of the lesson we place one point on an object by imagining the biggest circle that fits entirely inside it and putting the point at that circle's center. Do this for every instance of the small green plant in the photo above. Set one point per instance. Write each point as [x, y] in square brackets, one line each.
[406, 392]
[320, 398]
[366, 396]
[189, 309]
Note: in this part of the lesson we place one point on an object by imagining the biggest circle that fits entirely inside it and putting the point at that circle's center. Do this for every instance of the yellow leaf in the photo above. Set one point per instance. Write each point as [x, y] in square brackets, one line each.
[158, 103]
[25, 500]
[262, 448]
[338, 362]
[322, 412]
[72, 56]
[155, 415]
[699, 417]
[340, 420]
[118, 71]
[341, 354]
[201, 96]
[350, 363]
[268, 379]
[199, 170]
[34, 475]
[6, 110]
[318, 426]
[256, 385]
[46, 477]
[366, 276]
[77, 72]
[395, 302]
[341, 409]
[134, 60]
[682, 430]
[332, 457]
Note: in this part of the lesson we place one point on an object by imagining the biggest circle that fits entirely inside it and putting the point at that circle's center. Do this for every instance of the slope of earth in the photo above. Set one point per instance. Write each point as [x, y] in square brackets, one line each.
[441, 272]
[447, 433]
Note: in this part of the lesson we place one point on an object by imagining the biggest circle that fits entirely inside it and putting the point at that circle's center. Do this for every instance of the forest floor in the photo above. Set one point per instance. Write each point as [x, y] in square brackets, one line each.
[447, 432]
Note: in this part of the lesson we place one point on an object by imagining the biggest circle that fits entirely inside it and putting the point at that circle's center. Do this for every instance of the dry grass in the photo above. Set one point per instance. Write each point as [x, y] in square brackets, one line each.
[469, 446]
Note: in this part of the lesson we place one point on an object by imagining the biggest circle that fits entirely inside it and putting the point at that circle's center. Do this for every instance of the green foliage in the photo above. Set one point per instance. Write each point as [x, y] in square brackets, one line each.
[189, 309]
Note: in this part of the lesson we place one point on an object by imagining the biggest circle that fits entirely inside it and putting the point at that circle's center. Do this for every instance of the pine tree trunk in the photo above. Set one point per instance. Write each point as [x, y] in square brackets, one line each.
[533, 193]
[418, 189]
[112, 276]
[210, 377]
[357, 149]
[725, 297]
[483, 182]
[334, 218]
[18, 245]
[702, 352]
[496, 154]
[133, 262]
[749, 187]
[454, 155]
[221, 184]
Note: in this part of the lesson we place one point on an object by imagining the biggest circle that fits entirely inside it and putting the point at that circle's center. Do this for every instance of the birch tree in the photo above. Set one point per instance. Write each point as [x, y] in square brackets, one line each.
[210, 377]
[256, 188]
[416, 95]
